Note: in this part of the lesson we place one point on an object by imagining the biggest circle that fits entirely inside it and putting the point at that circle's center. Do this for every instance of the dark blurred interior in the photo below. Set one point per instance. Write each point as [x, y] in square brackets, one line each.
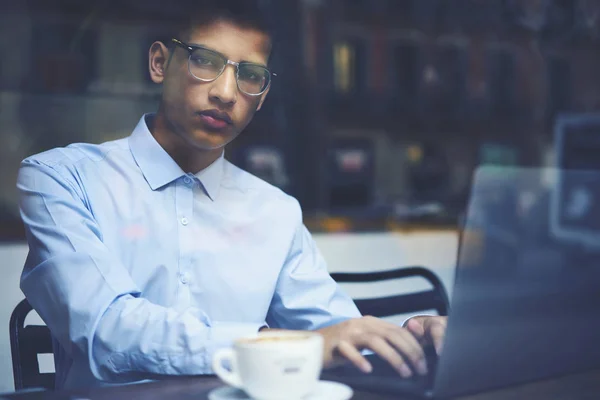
[381, 109]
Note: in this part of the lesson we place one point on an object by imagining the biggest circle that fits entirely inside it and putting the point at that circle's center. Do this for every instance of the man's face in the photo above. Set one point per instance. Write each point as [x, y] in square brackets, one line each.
[209, 115]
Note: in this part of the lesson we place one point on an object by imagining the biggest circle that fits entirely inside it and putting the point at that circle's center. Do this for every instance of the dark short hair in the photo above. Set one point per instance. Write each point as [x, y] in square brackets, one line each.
[198, 13]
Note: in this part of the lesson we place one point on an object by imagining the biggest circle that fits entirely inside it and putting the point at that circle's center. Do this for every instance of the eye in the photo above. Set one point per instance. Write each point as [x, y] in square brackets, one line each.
[206, 61]
[252, 75]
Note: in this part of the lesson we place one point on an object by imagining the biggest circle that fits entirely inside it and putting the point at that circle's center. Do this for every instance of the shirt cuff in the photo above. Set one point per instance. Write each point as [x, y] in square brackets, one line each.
[413, 316]
[223, 334]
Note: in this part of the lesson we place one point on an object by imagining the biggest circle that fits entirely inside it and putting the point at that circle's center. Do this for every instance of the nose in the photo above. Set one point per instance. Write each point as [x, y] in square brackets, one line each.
[224, 89]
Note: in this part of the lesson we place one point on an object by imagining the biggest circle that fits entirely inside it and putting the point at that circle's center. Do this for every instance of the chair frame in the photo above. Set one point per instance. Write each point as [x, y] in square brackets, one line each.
[436, 298]
[26, 343]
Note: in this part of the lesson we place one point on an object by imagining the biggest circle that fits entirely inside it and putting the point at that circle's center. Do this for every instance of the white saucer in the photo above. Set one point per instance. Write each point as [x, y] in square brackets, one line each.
[325, 390]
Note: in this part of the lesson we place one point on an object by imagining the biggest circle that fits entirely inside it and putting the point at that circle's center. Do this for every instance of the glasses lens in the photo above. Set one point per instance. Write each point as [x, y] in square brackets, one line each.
[253, 79]
[206, 64]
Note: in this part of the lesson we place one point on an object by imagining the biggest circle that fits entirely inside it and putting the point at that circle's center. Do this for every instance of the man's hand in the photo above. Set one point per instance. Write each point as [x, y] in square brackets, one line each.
[428, 330]
[399, 346]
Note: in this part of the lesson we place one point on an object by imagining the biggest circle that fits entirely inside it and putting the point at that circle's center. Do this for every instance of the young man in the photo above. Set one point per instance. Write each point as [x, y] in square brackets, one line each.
[148, 253]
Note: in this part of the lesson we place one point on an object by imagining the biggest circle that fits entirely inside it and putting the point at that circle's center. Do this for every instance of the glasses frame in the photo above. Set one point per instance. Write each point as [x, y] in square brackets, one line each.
[192, 47]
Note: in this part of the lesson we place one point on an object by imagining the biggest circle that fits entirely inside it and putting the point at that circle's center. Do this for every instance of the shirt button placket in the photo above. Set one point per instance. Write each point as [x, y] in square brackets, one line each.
[183, 278]
[185, 213]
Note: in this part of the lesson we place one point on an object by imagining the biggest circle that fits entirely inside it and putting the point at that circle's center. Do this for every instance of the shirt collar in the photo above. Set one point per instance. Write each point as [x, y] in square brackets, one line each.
[159, 169]
[211, 177]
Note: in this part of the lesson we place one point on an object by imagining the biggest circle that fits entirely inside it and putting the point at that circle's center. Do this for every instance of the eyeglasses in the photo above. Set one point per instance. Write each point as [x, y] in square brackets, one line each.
[207, 65]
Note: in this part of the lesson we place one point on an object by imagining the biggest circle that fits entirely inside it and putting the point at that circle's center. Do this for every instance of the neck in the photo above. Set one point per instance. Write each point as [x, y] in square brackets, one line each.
[189, 158]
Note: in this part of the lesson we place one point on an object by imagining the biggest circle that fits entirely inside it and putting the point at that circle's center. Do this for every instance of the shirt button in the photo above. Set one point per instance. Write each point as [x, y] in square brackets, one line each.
[187, 180]
[184, 278]
[184, 221]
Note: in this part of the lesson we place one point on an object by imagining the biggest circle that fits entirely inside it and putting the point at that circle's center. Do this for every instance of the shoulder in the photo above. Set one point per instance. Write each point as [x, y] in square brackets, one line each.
[254, 187]
[70, 166]
[72, 157]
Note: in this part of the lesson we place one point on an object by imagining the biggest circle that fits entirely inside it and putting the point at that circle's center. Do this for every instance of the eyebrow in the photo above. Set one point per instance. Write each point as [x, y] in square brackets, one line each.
[201, 46]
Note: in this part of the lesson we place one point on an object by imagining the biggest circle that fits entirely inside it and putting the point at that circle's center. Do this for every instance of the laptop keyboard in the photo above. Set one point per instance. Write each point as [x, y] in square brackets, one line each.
[384, 378]
[382, 368]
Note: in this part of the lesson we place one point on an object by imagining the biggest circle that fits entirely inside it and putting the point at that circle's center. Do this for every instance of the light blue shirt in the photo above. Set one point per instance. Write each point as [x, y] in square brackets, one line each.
[140, 269]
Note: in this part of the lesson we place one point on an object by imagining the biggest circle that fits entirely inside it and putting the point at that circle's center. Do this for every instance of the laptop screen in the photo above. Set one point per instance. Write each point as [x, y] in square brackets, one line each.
[524, 299]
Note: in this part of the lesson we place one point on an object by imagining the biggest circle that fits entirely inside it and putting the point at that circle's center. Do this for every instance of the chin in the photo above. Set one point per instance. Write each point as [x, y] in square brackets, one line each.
[206, 141]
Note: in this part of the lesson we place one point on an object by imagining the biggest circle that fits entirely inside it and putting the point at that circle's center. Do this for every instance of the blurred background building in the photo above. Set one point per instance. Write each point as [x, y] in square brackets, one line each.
[380, 112]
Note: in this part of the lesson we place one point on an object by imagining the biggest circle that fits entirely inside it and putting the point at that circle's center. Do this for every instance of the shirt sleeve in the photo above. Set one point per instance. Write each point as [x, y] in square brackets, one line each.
[306, 297]
[89, 300]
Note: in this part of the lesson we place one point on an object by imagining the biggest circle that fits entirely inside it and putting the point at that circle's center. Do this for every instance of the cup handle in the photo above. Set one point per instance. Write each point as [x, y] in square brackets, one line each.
[232, 377]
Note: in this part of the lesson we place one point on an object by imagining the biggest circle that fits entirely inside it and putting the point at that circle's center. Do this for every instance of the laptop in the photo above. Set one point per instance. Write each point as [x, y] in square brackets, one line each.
[525, 298]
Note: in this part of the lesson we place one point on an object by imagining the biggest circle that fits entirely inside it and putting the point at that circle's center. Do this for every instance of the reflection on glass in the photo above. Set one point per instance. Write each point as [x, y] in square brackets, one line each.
[498, 154]
[343, 60]
[414, 153]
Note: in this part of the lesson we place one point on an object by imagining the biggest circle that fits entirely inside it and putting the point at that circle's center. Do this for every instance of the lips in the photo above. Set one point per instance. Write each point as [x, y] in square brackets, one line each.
[215, 119]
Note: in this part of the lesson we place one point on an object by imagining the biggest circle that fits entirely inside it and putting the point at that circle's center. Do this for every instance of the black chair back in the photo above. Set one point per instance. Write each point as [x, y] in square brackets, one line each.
[26, 343]
[434, 299]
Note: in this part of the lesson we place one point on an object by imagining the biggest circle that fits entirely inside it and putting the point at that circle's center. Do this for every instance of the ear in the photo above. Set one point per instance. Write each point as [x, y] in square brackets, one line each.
[262, 98]
[158, 61]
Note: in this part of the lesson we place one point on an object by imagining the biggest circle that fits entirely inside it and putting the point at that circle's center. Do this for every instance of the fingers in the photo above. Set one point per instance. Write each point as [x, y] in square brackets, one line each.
[408, 346]
[351, 353]
[405, 341]
[429, 329]
[435, 330]
[388, 353]
[415, 326]
[402, 340]
[398, 346]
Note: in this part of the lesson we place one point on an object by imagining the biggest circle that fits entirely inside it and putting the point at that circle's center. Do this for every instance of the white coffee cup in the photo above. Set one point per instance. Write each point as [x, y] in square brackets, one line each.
[273, 365]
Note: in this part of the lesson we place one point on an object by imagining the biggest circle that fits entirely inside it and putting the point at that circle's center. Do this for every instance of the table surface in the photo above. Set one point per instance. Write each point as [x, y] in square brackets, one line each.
[578, 386]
